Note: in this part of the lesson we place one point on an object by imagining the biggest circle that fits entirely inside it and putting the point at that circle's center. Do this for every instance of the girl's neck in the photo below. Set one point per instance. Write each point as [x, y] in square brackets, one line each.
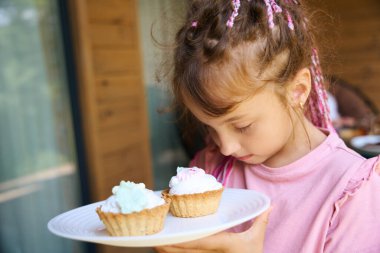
[306, 137]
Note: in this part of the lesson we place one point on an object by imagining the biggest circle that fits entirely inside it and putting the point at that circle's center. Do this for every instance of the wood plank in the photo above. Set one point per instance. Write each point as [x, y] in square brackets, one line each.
[359, 38]
[363, 26]
[120, 137]
[356, 41]
[113, 12]
[359, 44]
[120, 114]
[111, 89]
[117, 62]
[360, 76]
[359, 51]
[360, 57]
[113, 36]
[352, 9]
[352, 63]
[127, 162]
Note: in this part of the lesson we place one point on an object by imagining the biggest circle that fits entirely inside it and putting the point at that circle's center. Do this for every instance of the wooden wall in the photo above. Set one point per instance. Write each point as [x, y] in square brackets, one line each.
[355, 36]
[109, 67]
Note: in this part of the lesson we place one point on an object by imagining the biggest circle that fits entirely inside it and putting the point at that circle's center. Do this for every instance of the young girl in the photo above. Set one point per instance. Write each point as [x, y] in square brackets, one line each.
[248, 72]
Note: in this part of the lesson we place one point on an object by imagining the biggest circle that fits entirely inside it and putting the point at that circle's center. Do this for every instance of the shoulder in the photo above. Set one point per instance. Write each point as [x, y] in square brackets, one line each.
[337, 163]
[357, 209]
[342, 160]
[334, 152]
[367, 171]
[351, 169]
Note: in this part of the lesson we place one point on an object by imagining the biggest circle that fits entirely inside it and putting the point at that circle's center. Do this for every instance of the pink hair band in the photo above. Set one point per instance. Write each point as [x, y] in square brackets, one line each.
[231, 20]
[272, 6]
[290, 20]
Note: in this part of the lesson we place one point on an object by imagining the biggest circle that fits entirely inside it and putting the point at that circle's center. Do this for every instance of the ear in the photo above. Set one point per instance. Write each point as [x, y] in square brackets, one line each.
[298, 89]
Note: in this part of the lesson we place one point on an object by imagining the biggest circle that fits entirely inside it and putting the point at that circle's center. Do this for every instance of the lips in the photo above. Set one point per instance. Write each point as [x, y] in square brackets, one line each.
[243, 158]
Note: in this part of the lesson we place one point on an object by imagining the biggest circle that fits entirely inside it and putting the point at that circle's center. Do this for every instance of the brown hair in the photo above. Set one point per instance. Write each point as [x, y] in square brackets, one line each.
[217, 66]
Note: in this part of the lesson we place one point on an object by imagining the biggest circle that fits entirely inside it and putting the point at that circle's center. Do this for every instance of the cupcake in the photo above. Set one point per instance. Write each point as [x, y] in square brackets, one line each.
[133, 210]
[193, 193]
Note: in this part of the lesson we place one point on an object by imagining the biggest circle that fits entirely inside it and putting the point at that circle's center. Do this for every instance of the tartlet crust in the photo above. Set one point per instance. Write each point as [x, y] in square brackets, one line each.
[193, 205]
[145, 222]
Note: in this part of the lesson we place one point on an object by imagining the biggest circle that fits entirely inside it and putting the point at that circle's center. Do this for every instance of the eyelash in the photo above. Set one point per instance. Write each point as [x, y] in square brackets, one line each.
[244, 129]
[239, 129]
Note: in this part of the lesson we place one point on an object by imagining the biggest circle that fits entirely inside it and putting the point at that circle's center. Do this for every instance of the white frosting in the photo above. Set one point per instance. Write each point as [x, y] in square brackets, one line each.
[129, 197]
[192, 180]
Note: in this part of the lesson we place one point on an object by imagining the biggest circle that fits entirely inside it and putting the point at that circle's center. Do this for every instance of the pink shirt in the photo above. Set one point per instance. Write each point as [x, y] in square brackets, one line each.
[327, 201]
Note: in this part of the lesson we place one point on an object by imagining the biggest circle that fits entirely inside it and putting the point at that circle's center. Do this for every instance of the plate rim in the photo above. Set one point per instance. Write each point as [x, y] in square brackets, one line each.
[136, 242]
[360, 148]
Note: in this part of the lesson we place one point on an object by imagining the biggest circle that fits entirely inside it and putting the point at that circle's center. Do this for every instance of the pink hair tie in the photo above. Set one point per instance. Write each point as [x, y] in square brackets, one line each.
[272, 6]
[231, 20]
[290, 20]
[194, 24]
[270, 14]
[275, 7]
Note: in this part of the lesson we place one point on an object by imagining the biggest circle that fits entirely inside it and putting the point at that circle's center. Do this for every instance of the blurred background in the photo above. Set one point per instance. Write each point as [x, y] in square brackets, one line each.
[80, 107]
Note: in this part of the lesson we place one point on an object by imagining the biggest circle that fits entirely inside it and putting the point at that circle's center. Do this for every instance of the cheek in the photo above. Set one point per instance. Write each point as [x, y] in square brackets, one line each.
[269, 136]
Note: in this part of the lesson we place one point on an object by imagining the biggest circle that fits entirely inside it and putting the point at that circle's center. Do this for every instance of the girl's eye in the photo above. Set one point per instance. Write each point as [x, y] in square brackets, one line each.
[244, 129]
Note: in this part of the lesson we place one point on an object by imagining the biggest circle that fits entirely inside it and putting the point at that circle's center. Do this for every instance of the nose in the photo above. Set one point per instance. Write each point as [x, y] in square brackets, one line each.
[228, 145]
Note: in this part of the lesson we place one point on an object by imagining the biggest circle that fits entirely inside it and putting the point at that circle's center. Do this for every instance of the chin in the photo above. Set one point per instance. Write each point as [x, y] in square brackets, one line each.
[255, 160]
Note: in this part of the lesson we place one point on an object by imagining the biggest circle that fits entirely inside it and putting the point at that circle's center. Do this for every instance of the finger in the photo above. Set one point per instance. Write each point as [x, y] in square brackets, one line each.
[210, 243]
[259, 224]
[174, 249]
[262, 220]
[257, 230]
[167, 249]
[159, 250]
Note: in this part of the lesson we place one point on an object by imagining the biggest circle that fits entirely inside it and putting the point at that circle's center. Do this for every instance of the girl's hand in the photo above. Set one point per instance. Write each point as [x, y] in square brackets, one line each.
[249, 241]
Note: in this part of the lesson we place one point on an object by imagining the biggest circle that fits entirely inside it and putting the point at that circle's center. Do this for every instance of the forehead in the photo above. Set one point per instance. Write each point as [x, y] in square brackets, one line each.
[218, 87]
[251, 106]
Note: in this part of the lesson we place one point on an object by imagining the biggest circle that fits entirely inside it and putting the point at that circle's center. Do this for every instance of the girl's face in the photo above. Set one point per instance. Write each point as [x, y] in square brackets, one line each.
[259, 130]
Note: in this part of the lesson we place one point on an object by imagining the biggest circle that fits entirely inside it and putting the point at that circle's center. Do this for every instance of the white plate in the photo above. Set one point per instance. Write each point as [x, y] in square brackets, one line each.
[360, 143]
[236, 207]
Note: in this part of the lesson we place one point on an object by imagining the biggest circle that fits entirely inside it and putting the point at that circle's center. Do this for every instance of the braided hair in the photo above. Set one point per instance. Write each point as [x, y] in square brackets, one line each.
[224, 43]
